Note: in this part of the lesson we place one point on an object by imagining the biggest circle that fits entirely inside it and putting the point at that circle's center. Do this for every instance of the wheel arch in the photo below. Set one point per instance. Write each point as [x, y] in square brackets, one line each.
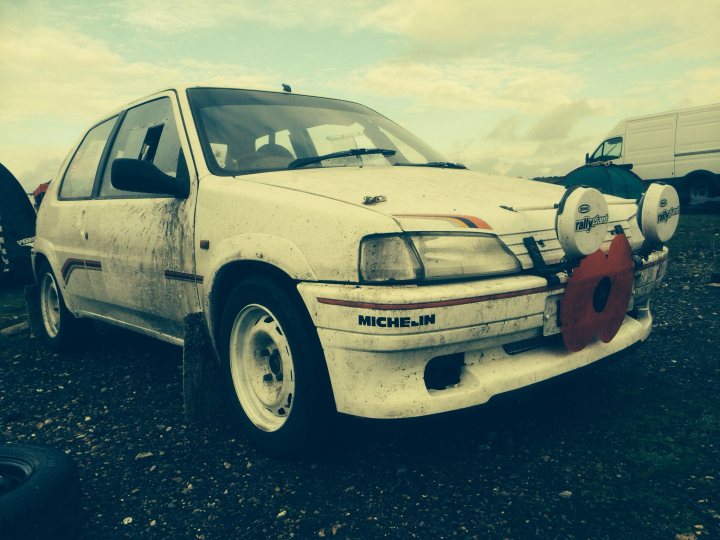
[702, 174]
[40, 258]
[240, 256]
[231, 273]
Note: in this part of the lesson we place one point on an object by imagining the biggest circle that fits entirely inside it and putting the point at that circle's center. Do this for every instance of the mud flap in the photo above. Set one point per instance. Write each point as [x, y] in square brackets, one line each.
[202, 390]
[32, 303]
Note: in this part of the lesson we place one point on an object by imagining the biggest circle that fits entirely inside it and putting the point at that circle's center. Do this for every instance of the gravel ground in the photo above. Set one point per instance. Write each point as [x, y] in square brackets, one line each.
[629, 448]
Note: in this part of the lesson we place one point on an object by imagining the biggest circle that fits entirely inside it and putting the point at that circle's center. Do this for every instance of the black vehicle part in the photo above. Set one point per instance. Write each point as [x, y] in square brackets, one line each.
[607, 178]
[39, 494]
[301, 162]
[17, 230]
[444, 371]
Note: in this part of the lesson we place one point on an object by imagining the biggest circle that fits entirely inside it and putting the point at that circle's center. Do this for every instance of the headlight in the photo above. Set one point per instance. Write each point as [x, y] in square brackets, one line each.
[433, 256]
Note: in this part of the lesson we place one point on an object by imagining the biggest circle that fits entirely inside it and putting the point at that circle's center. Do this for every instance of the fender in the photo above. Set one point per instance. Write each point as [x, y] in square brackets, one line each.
[43, 247]
[273, 250]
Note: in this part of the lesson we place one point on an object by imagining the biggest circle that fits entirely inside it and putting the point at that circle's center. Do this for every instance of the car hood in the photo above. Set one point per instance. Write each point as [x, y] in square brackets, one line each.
[418, 191]
[430, 199]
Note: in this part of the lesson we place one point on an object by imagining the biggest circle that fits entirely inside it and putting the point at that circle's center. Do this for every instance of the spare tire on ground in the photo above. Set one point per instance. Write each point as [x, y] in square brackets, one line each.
[39, 494]
[17, 230]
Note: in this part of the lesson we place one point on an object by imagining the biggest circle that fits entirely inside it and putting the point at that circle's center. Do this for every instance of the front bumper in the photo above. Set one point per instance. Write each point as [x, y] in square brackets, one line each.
[378, 340]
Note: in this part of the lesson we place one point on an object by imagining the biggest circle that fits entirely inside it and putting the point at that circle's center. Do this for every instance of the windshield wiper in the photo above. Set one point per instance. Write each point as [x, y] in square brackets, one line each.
[301, 162]
[438, 164]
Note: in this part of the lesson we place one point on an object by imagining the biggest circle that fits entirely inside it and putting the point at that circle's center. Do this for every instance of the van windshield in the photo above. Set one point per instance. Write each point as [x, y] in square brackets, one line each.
[250, 131]
[609, 149]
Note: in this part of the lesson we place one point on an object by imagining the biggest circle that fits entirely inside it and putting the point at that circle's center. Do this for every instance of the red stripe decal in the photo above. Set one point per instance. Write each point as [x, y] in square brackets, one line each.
[479, 223]
[471, 222]
[69, 266]
[72, 264]
[441, 303]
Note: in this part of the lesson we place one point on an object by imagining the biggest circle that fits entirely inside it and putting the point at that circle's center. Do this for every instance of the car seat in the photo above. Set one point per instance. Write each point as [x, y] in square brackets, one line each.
[272, 156]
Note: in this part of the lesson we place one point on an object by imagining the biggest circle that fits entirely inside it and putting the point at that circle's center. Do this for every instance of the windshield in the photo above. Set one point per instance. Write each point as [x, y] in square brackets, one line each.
[249, 131]
[610, 149]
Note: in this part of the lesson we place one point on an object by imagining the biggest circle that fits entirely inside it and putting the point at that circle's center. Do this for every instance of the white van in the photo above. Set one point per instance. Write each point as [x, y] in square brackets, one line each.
[679, 147]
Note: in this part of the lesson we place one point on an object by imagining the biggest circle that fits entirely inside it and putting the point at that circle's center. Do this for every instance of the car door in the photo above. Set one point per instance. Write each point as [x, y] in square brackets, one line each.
[145, 241]
[62, 219]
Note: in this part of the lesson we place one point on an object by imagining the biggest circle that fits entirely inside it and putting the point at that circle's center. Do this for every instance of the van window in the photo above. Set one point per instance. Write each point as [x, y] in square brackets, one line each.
[610, 149]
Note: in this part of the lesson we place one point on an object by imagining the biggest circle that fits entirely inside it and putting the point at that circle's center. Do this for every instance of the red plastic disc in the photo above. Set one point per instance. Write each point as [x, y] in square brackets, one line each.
[597, 296]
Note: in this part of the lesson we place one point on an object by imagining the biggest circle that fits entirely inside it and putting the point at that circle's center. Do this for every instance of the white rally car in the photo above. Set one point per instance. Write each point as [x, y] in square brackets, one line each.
[340, 264]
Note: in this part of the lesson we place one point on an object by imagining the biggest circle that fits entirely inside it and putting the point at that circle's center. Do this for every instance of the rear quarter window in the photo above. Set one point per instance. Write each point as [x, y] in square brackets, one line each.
[80, 175]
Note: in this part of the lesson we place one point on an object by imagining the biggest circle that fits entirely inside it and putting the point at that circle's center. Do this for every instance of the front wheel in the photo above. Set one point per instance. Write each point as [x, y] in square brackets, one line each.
[274, 368]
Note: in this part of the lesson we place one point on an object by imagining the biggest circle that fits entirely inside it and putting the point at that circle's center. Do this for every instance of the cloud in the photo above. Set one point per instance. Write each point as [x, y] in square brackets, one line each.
[559, 122]
[473, 22]
[473, 83]
[526, 159]
[699, 86]
[72, 76]
[507, 129]
[43, 171]
[31, 163]
[55, 83]
[178, 16]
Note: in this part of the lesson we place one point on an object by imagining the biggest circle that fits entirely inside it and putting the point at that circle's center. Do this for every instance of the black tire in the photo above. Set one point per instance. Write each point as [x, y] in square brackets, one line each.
[39, 494]
[64, 332]
[310, 420]
[700, 188]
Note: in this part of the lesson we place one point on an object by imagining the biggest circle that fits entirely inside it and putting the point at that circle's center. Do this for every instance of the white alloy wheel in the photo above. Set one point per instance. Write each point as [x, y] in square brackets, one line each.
[261, 366]
[50, 305]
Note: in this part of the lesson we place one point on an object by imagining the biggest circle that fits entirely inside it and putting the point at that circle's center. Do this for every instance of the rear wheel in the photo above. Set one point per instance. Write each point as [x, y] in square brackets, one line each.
[274, 368]
[700, 190]
[59, 328]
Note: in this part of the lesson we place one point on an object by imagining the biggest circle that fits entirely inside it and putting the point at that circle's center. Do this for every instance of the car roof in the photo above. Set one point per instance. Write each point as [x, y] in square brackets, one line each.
[181, 88]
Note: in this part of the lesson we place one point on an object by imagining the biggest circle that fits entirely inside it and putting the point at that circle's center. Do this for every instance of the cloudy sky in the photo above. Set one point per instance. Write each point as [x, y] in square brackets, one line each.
[518, 87]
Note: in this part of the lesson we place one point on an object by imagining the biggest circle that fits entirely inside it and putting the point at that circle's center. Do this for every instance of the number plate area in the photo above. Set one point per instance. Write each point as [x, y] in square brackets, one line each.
[551, 317]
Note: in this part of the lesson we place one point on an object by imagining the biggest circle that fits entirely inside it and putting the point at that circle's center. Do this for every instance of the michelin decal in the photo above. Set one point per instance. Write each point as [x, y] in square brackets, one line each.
[396, 322]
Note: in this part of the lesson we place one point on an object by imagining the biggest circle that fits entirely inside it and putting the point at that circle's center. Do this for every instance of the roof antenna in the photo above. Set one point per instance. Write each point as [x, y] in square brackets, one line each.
[286, 88]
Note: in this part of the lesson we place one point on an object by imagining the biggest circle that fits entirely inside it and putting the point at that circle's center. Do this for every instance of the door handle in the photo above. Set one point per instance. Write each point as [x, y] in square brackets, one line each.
[83, 230]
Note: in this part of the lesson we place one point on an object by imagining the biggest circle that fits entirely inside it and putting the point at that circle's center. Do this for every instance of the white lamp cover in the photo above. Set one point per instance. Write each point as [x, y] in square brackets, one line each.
[659, 213]
[581, 221]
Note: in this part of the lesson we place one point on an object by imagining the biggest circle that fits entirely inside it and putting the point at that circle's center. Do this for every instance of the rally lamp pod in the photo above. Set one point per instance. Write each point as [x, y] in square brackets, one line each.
[581, 221]
[658, 213]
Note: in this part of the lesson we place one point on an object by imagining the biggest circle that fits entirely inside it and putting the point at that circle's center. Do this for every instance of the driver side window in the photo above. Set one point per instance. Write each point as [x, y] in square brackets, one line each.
[147, 133]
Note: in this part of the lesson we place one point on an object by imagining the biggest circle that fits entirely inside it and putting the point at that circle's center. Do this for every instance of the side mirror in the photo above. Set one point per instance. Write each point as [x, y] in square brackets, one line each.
[587, 158]
[144, 177]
